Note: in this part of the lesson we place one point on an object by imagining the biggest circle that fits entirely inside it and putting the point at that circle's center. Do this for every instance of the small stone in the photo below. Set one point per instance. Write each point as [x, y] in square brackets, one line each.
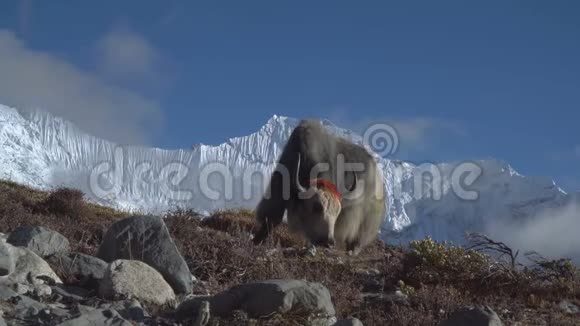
[370, 271]
[349, 322]
[568, 307]
[79, 309]
[190, 306]
[271, 252]
[373, 271]
[69, 293]
[105, 317]
[479, 316]
[7, 292]
[26, 308]
[42, 290]
[22, 288]
[396, 297]
[321, 321]
[399, 296]
[128, 309]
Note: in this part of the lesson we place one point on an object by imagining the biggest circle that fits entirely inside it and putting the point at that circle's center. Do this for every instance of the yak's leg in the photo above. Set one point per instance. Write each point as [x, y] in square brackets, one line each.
[270, 210]
[353, 248]
[265, 229]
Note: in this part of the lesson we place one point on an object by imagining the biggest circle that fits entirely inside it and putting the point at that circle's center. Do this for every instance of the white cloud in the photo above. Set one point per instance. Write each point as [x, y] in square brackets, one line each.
[35, 79]
[414, 133]
[552, 233]
[125, 54]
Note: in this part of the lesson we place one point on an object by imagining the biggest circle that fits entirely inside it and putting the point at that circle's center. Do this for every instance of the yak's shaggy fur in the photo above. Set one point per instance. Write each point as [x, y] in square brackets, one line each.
[362, 206]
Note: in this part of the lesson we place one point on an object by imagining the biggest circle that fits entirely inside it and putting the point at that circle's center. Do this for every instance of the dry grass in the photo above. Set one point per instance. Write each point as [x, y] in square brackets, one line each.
[437, 279]
[63, 202]
[241, 221]
[82, 223]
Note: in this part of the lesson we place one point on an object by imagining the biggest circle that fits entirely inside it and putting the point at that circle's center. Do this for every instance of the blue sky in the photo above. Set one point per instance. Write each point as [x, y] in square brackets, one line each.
[458, 80]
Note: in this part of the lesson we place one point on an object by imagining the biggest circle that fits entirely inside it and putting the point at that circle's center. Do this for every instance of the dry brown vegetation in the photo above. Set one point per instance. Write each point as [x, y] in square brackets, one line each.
[437, 278]
[82, 223]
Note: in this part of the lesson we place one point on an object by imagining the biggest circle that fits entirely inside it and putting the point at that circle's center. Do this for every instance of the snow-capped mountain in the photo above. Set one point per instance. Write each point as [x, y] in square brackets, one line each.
[44, 151]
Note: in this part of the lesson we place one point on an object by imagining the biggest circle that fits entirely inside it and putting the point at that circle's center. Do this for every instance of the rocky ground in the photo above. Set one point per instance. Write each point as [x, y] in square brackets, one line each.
[66, 262]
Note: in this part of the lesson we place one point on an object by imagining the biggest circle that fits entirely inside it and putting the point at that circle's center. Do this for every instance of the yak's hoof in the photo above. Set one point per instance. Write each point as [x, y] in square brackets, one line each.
[311, 251]
[354, 252]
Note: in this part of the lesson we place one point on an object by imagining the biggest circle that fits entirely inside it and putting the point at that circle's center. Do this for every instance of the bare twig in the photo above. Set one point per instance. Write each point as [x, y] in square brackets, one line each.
[482, 243]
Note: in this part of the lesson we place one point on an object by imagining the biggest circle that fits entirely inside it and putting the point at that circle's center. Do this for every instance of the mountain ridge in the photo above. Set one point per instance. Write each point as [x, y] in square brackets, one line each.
[43, 151]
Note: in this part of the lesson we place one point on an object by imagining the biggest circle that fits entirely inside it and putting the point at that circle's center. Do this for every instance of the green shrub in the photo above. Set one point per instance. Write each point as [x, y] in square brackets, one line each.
[435, 262]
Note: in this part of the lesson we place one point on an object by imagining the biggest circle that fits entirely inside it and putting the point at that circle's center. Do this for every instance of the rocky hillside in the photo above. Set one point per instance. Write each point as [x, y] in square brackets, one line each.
[64, 261]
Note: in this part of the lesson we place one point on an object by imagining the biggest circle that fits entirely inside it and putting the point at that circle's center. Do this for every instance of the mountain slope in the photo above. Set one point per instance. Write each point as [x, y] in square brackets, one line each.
[43, 151]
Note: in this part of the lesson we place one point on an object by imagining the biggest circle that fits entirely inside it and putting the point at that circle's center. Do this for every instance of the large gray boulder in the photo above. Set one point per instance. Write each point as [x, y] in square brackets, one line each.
[101, 317]
[473, 316]
[42, 241]
[147, 239]
[22, 266]
[134, 279]
[264, 298]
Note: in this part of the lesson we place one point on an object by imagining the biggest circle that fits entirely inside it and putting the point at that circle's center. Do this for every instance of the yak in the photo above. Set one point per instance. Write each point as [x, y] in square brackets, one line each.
[324, 201]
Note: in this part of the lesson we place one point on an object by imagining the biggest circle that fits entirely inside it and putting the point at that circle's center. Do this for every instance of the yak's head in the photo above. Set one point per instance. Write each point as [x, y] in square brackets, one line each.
[318, 208]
